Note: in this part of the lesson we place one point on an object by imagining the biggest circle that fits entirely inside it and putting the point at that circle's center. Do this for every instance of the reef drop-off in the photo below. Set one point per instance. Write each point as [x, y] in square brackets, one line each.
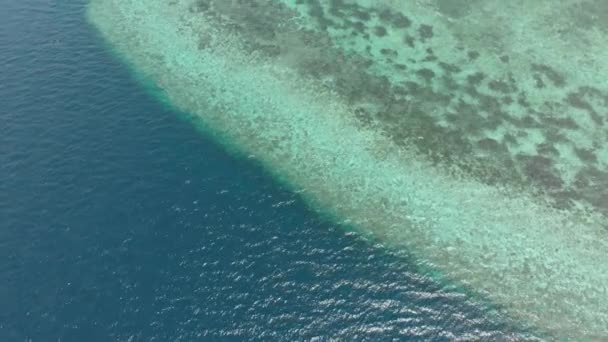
[405, 127]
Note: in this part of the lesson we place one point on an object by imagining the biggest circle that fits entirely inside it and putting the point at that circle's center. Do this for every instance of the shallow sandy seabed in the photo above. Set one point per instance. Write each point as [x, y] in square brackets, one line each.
[452, 132]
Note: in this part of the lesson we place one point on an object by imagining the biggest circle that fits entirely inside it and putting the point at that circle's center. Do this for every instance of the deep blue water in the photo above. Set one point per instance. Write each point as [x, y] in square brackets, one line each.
[120, 222]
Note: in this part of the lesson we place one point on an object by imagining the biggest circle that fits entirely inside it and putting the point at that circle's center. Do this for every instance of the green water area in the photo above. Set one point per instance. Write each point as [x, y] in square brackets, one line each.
[471, 134]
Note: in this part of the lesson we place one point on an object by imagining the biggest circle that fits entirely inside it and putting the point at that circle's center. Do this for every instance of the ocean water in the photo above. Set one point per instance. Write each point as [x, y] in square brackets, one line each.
[119, 221]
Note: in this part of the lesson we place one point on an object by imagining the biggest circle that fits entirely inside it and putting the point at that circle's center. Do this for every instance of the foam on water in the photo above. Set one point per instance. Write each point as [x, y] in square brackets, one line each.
[395, 125]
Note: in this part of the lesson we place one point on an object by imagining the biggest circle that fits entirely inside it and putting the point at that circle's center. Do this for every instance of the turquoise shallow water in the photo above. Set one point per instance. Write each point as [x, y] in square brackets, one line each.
[121, 222]
[474, 141]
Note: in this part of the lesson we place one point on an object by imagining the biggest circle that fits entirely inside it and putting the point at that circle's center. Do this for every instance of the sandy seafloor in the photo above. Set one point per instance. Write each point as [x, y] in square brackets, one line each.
[479, 221]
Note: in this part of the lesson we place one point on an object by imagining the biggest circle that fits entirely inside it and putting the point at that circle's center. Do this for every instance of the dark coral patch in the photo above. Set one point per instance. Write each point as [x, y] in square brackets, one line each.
[555, 77]
[500, 86]
[547, 149]
[359, 26]
[426, 74]
[362, 15]
[409, 41]
[540, 170]
[425, 31]
[586, 155]
[395, 19]
[510, 139]
[380, 31]
[476, 78]
[522, 100]
[576, 100]
[449, 68]
[199, 6]
[538, 81]
[401, 21]
[389, 52]
[489, 144]
[561, 122]
[385, 15]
